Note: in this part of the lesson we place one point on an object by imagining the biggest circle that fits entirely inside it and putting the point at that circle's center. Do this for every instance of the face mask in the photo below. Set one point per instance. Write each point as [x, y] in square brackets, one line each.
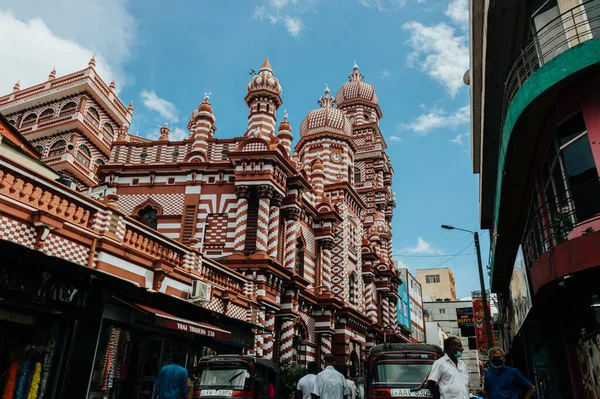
[458, 355]
[497, 362]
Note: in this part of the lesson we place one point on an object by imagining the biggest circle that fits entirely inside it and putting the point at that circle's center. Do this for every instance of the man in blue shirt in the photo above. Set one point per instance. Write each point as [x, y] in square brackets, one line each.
[503, 382]
[172, 381]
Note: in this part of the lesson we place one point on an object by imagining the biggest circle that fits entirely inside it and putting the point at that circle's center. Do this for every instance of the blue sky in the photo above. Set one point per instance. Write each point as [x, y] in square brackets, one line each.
[164, 56]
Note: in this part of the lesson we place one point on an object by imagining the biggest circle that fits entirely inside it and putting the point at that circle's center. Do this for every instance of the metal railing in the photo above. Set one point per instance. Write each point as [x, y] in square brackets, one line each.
[579, 24]
[562, 218]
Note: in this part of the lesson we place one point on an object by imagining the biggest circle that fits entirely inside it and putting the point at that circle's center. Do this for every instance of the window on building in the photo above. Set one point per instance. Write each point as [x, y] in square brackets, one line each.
[108, 129]
[148, 216]
[84, 155]
[99, 161]
[12, 122]
[29, 120]
[432, 278]
[68, 108]
[58, 148]
[39, 149]
[94, 115]
[442, 311]
[352, 289]
[47, 114]
[299, 265]
[357, 175]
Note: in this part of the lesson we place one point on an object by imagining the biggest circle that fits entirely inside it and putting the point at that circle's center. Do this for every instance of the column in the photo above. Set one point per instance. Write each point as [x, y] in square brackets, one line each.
[274, 225]
[259, 336]
[241, 217]
[269, 336]
[262, 224]
[370, 299]
[385, 311]
[325, 345]
[291, 225]
[326, 246]
[285, 342]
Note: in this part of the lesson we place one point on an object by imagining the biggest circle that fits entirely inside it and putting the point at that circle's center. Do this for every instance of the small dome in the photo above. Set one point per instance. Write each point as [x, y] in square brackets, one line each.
[205, 105]
[380, 227]
[356, 90]
[285, 125]
[326, 119]
[264, 80]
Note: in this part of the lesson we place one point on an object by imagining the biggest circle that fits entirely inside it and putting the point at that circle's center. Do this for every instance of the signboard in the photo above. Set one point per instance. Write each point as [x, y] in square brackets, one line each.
[480, 331]
[520, 297]
[466, 323]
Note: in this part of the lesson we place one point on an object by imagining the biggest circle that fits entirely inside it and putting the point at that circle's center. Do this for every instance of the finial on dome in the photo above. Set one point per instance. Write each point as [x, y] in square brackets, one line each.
[355, 75]
[326, 100]
[207, 96]
[112, 86]
[130, 108]
[52, 74]
[92, 62]
[285, 115]
[17, 86]
[266, 65]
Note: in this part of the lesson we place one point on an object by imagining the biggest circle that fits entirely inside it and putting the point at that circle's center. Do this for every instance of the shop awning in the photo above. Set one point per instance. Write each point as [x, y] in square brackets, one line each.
[167, 320]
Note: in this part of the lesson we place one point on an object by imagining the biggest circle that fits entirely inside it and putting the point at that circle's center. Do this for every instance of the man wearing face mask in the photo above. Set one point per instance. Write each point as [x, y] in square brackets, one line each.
[449, 377]
[503, 382]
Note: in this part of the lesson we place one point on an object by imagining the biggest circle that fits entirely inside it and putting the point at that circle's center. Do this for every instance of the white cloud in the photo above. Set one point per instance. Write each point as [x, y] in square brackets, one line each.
[396, 139]
[461, 140]
[165, 109]
[422, 248]
[383, 5]
[458, 11]
[385, 74]
[438, 119]
[294, 25]
[439, 53]
[36, 37]
[273, 12]
[400, 264]
[179, 134]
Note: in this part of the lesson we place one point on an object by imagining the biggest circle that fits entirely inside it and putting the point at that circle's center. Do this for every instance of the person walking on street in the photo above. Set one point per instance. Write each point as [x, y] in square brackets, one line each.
[351, 386]
[306, 384]
[503, 382]
[449, 377]
[330, 384]
[172, 381]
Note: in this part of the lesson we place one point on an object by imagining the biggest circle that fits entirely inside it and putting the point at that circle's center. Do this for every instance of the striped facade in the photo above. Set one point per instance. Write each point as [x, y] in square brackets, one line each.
[308, 228]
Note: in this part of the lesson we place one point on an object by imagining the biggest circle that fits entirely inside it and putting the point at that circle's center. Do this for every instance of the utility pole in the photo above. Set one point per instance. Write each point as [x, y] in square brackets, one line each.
[487, 319]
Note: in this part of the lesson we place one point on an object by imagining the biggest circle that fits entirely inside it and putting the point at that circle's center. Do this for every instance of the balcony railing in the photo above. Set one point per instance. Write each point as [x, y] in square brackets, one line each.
[579, 24]
[573, 214]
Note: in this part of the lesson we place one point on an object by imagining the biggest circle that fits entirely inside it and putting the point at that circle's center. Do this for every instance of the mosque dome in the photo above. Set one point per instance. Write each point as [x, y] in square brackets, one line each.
[326, 119]
[356, 90]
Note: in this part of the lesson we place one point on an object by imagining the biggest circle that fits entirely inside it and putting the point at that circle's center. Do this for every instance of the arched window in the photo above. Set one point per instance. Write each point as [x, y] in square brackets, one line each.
[352, 289]
[299, 266]
[148, 216]
[68, 108]
[354, 364]
[108, 129]
[39, 149]
[99, 161]
[94, 115]
[84, 155]
[12, 122]
[367, 117]
[47, 114]
[58, 148]
[299, 345]
[29, 120]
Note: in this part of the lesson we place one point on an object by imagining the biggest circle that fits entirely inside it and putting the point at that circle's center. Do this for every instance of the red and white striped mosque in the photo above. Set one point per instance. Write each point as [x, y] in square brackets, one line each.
[294, 243]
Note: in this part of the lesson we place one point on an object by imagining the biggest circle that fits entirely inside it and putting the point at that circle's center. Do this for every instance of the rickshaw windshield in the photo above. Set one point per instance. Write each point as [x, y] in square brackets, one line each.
[225, 376]
[400, 373]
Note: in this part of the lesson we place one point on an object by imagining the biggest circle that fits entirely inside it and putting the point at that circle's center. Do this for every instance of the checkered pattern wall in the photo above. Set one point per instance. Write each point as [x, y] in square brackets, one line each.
[14, 231]
[215, 234]
[172, 204]
[65, 249]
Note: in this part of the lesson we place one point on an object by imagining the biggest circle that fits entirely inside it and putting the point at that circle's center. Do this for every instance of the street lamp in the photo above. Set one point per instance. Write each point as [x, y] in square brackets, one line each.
[486, 309]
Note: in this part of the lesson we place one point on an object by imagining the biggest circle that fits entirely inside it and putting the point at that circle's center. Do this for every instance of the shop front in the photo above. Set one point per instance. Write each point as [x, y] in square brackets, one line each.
[137, 340]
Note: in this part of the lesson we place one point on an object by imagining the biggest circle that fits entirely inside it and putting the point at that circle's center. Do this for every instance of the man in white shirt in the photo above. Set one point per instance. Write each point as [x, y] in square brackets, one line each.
[306, 384]
[351, 386]
[449, 377]
[330, 384]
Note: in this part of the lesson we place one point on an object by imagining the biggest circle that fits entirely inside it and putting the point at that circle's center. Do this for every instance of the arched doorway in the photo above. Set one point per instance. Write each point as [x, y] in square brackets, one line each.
[299, 344]
[354, 364]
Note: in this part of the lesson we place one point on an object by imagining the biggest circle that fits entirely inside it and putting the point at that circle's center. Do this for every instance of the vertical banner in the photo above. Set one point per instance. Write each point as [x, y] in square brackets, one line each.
[480, 333]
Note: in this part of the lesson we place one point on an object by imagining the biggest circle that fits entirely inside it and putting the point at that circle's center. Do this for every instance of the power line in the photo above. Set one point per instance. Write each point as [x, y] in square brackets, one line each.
[430, 256]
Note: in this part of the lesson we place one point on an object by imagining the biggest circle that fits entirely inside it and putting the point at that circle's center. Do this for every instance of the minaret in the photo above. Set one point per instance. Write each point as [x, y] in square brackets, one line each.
[285, 133]
[263, 99]
[202, 127]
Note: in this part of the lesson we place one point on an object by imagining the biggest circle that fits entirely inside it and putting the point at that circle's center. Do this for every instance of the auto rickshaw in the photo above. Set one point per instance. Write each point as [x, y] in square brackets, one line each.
[236, 376]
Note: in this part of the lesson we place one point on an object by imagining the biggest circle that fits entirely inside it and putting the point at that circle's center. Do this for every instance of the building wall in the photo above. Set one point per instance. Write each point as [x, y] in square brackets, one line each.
[434, 289]
[435, 333]
[416, 305]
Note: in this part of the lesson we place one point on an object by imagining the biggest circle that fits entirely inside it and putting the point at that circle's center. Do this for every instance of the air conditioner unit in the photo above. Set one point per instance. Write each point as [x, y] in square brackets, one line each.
[199, 292]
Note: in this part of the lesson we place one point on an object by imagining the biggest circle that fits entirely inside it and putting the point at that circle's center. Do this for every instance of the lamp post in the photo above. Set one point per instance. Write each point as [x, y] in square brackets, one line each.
[486, 310]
